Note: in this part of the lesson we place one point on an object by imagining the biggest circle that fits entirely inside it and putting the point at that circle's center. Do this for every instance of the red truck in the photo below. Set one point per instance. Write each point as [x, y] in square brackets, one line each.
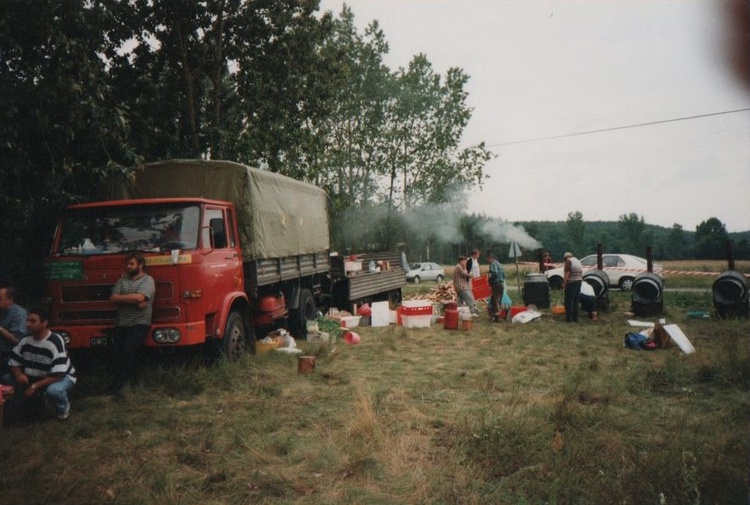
[232, 249]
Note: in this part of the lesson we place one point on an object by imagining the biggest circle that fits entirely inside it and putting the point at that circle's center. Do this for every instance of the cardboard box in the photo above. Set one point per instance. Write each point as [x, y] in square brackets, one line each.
[380, 314]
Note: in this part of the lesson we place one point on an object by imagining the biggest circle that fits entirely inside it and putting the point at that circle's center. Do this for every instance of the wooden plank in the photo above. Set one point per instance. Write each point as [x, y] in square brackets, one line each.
[679, 338]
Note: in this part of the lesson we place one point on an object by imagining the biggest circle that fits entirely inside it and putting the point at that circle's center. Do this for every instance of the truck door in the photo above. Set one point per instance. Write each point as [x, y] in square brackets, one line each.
[222, 261]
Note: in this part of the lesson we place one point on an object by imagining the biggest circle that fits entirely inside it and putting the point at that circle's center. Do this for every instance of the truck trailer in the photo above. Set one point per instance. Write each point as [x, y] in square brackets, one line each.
[233, 249]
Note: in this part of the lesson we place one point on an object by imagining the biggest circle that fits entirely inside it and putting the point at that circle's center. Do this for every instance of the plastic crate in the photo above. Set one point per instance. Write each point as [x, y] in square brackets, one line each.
[480, 287]
[416, 321]
[411, 308]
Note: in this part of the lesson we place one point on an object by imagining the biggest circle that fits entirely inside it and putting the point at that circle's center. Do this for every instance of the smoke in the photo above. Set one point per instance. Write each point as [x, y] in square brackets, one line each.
[445, 223]
[442, 221]
[504, 232]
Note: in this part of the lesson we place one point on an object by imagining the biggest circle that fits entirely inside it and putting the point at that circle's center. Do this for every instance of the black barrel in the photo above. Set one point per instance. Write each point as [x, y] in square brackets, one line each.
[731, 294]
[599, 281]
[536, 290]
[648, 294]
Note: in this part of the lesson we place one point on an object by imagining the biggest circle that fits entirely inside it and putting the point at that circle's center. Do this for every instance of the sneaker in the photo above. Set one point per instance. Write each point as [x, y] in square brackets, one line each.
[62, 416]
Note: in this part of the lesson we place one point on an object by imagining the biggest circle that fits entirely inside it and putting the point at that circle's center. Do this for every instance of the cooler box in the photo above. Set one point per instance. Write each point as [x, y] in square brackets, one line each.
[480, 287]
[416, 313]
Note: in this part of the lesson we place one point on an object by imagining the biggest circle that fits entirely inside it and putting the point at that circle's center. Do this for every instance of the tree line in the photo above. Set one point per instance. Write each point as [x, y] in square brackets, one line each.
[629, 235]
[91, 90]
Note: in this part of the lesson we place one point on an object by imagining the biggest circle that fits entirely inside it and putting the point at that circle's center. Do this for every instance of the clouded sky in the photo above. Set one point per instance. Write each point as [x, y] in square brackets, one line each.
[603, 107]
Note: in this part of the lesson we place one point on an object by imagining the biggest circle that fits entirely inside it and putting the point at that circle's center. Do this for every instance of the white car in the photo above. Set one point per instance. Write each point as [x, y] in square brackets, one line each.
[621, 269]
[425, 271]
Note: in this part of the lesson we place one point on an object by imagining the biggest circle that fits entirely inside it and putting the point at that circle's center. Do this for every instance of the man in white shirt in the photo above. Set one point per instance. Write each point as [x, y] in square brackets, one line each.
[472, 264]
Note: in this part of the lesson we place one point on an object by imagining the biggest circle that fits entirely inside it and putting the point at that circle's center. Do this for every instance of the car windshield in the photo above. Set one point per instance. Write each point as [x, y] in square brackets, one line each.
[109, 230]
[415, 266]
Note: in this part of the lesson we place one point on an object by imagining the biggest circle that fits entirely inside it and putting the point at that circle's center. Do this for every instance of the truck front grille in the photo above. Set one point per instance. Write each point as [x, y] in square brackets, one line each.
[87, 315]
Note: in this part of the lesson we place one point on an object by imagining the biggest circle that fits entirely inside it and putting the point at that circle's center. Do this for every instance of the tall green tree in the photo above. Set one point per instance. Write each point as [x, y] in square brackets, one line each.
[633, 231]
[283, 85]
[352, 161]
[576, 228]
[63, 128]
[426, 119]
[710, 239]
[676, 243]
[236, 79]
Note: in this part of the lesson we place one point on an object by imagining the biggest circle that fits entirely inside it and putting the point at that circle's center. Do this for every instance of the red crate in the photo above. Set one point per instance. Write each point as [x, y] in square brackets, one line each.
[416, 308]
[480, 287]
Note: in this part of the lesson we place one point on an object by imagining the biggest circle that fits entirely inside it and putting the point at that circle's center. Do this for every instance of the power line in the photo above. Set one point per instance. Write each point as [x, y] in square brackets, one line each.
[566, 135]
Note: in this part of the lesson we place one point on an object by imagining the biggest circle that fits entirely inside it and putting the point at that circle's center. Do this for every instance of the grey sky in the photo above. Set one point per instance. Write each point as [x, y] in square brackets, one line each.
[542, 68]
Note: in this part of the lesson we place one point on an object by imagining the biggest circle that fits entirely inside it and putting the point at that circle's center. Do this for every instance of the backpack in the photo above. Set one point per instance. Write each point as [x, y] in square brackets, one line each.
[639, 342]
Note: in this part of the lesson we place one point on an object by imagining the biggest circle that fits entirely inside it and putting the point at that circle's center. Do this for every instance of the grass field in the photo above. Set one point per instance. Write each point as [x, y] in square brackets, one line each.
[545, 412]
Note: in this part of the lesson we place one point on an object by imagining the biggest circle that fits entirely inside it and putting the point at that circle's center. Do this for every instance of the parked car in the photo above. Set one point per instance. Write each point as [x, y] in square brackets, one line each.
[621, 269]
[425, 271]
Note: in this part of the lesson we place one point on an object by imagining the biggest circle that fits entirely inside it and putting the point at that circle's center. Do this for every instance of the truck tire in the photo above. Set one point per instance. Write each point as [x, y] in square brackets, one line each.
[235, 341]
[306, 312]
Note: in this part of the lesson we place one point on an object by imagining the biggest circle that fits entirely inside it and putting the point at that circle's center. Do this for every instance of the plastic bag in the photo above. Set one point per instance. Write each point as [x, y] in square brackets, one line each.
[506, 302]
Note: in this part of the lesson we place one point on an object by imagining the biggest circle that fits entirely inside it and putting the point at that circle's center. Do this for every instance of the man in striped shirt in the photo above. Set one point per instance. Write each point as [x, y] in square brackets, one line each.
[134, 296]
[39, 363]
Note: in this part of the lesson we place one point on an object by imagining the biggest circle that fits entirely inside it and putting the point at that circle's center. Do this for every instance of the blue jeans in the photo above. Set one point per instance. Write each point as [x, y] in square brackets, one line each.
[588, 303]
[56, 393]
[467, 297]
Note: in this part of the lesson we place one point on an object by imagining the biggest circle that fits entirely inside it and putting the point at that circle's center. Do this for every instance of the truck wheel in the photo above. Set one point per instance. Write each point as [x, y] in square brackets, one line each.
[235, 338]
[306, 312]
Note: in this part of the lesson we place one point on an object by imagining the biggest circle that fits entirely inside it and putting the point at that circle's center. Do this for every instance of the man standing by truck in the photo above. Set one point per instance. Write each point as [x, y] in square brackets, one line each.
[134, 296]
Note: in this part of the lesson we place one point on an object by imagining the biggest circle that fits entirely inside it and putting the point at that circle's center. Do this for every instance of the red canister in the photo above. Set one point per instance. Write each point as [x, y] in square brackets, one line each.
[451, 319]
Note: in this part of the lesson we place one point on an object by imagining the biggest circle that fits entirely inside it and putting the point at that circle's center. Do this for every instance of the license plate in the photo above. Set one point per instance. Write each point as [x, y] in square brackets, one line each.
[100, 341]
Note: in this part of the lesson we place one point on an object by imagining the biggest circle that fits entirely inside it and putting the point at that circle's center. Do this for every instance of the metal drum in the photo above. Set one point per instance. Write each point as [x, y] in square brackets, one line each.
[647, 294]
[730, 292]
[599, 281]
[536, 291]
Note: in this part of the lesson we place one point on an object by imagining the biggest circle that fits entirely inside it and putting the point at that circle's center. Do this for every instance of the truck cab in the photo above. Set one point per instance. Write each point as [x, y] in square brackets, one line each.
[192, 252]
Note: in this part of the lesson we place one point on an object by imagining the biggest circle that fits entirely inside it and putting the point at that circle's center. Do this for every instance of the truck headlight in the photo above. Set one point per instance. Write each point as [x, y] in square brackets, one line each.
[167, 335]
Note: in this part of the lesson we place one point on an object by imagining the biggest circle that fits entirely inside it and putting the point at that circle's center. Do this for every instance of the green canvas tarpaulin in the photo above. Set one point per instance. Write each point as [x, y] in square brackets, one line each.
[277, 216]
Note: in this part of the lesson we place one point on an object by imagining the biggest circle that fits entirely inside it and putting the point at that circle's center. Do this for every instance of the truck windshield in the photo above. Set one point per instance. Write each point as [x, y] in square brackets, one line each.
[110, 230]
